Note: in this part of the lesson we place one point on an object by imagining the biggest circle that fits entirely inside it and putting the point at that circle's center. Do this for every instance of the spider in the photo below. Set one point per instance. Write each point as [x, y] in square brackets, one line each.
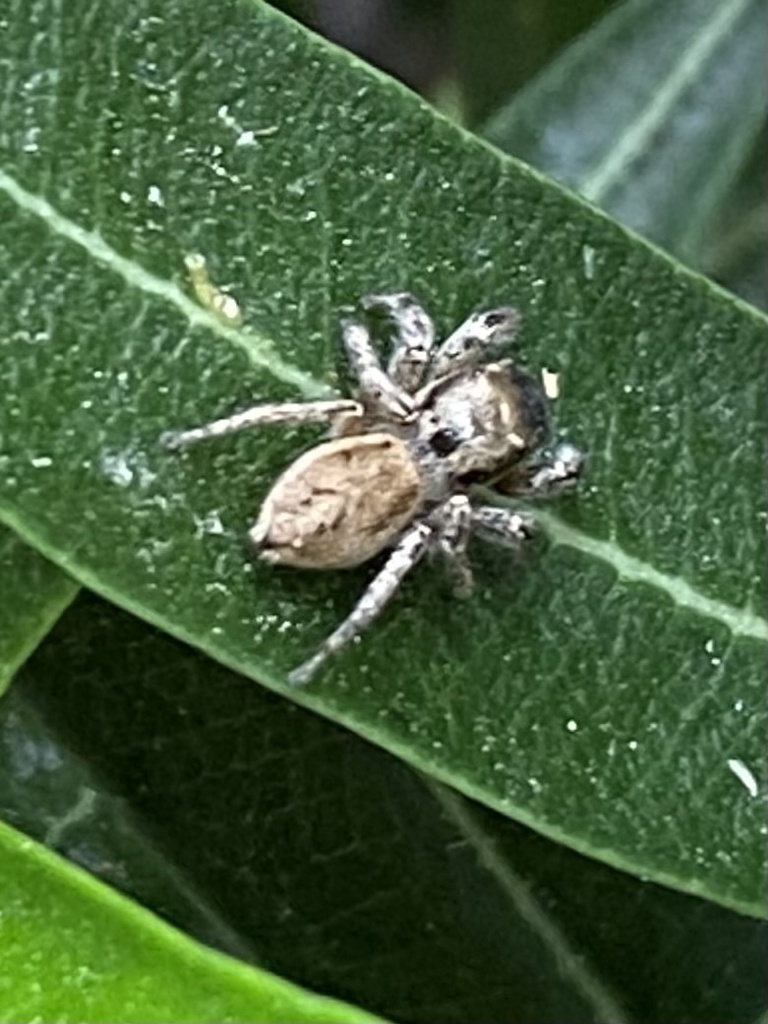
[403, 456]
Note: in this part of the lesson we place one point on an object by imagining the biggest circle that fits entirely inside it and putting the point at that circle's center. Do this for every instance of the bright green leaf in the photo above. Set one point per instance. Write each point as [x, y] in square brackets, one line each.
[650, 114]
[271, 833]
[74, 950]
[603, 690]
[40, 593]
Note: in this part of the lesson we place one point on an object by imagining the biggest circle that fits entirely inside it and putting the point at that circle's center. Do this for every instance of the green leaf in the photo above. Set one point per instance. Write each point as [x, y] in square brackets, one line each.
[57, 795]
[498, 45]
[608, 691]
[73, 950]
[737, 253]
[263, 829]
[40, 592]
[532, 38]
[650, 114]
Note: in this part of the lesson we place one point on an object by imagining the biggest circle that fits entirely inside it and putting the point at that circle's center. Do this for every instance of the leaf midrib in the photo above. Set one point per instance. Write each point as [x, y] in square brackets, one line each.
[260, 350]
[264, 673]
[741, 622]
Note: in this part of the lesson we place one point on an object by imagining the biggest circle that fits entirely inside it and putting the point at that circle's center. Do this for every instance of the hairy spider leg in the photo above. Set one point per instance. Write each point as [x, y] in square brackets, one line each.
[381, 590]
[414, 336]
[472, 339]
[453, 520]
[263, 415]
[377, 391]
[448, 530]
[558, 473]
[501, 525]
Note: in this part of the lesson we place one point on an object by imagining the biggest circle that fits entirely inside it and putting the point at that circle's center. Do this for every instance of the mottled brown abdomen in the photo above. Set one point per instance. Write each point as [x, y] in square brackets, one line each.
[339, 504]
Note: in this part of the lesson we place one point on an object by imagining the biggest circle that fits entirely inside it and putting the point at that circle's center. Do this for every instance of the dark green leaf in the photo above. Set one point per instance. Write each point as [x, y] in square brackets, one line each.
[56, 795]
[650, 115]
[73, 950]
[542, 697]
[35, 593]
[273, 834]
[498, 45]
[737, 253]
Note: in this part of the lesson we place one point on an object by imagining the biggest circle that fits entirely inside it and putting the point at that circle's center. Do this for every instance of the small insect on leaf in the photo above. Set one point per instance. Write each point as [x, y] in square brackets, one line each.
[224, 306]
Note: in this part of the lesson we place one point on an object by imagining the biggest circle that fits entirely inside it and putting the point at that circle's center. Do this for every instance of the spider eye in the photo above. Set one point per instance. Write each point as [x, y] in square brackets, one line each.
[506, 317]
[444, 441]
[494, 319]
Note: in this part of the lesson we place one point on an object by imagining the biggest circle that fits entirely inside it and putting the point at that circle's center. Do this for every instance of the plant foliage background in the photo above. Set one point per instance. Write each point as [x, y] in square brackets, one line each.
[405, 836]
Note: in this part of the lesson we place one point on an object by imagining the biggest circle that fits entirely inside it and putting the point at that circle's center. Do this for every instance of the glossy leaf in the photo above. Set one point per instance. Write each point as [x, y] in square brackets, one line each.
[35, 594]
[541, 697]
[498, 46]
[73, 950]
[275, 835]
[737, 254]
[650, 114]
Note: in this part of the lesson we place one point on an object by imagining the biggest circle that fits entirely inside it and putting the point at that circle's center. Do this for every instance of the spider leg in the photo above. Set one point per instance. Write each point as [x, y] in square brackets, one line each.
[263, 415]
[502, 525]
[558, 473]
[377, 389]
[453, 521]
[380, 591]
[472, 339]
[414, 336]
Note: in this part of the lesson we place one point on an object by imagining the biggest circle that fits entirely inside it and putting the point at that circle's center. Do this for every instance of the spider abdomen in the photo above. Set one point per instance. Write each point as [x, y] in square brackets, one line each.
[340, 503]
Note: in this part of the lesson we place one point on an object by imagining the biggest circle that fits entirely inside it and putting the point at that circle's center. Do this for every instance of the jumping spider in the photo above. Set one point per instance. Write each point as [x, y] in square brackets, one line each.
[403, 456]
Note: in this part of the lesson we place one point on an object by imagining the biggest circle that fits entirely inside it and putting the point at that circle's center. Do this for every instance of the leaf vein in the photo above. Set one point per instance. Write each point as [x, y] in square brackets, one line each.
[260, 350]
[574, 967]
[742, 622]
[636, 138]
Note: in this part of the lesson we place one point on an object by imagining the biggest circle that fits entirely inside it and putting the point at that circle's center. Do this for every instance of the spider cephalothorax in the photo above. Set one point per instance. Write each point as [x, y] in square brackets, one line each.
[403, 455]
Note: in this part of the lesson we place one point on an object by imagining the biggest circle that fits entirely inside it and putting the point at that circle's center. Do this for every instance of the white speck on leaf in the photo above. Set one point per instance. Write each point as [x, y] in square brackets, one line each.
[709, 647]
[744, 775]
[588, 255]
[124, 468]
[30, 140]
[551, 383]
[211, 523]
[224, 116]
